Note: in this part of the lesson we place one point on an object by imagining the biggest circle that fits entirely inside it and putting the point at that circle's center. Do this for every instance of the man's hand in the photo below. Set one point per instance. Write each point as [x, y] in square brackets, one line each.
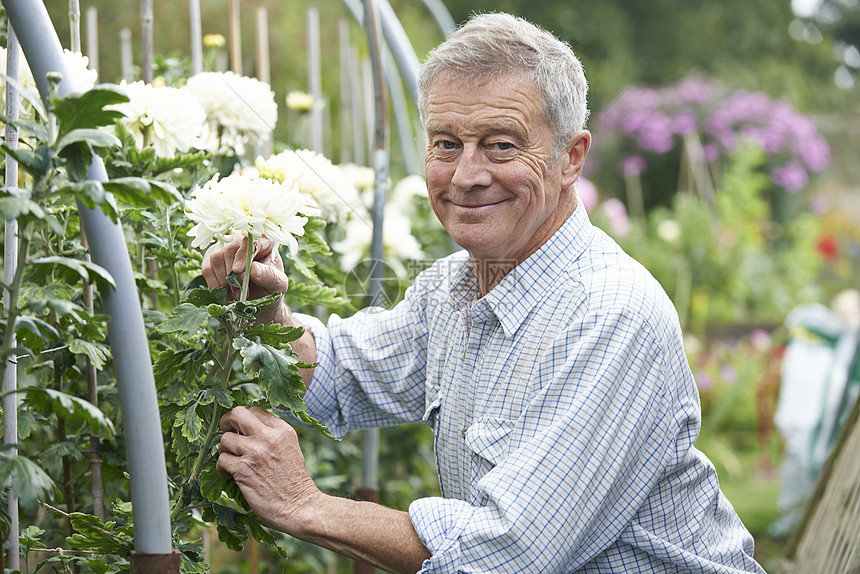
[267, 274]
[261, 452]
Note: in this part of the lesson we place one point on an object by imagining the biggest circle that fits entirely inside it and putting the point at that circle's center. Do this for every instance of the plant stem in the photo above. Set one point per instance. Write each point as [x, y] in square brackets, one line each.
[249, 256]
[12, 294]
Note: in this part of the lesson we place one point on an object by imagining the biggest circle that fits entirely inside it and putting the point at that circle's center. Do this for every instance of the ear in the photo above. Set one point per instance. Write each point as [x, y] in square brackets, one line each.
[577, 151]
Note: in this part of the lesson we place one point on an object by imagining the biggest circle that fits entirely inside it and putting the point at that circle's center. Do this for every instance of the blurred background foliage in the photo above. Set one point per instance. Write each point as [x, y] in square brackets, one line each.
[735, 255]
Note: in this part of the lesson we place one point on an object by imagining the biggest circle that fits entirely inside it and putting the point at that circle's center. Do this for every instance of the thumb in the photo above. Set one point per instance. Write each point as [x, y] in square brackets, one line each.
[269, 277]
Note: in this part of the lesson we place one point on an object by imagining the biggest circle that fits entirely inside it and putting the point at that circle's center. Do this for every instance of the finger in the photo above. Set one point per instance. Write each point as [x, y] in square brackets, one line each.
[239, 256]
[227, 464]
[269, 278]
[232, 443]
[241, 420]
[269, 419]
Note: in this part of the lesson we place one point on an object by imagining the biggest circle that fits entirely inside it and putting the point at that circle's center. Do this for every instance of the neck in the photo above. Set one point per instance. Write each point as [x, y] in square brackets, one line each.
[490, 269]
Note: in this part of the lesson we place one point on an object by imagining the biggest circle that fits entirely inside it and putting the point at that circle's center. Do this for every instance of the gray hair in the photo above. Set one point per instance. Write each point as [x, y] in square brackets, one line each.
[493, 45]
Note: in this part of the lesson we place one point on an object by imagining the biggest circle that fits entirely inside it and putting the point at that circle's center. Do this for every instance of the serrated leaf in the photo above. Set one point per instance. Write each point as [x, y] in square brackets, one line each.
[27, 480]
[31, 96]
[97, 352]
[211, 483]
[133, 191]
[74, 409]
[15, 207]
[87, 137]
[37, 163]
[36, 326]
[166, 363]
[95, 535]
[314, 294]
[204, 297]
[73, 270]
[189, 423]
[86, 110]
[31, 537]
[274, 334]
[277, 376]
[218, 394]
[52, 456]
[185, 319]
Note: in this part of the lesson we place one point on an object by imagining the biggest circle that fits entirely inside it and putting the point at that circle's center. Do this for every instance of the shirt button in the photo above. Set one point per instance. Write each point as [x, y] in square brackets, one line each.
[464, 431]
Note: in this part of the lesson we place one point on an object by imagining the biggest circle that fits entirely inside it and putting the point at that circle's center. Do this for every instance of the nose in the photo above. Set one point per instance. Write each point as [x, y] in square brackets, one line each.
[472, 170]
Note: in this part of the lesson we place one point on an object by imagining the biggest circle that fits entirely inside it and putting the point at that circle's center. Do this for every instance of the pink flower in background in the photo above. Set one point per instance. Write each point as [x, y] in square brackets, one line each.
[632, 165]
[790, 176]
[710, 152]
[760, 340]
[704, 381]
[587, 193]
[616, 213]
[729, 374]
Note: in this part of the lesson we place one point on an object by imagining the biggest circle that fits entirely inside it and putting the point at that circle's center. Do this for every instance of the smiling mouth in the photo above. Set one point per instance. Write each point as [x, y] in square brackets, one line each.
[479, 205]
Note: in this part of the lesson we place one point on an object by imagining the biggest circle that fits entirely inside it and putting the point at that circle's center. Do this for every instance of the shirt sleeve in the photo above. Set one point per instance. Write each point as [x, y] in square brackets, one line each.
[600, 434]
[371, 366]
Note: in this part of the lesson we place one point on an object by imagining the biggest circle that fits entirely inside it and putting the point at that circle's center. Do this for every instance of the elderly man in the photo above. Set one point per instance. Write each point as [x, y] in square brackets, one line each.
[548, 363]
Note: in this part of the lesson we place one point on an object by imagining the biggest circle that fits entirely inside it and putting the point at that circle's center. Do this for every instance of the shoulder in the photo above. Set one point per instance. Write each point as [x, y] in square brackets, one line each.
[611, 283]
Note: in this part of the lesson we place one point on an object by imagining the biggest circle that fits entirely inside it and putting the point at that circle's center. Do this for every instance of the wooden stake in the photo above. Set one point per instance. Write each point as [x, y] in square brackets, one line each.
[346, 93]
[93, 37]
[126, 57]
[235, 38]
[315, 78]
[146, 23]
[264, 72]
[75, 25]
[196, 37]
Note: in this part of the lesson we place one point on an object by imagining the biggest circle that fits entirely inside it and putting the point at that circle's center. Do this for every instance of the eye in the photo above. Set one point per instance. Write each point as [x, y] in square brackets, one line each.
[446, 145]
[503, 146]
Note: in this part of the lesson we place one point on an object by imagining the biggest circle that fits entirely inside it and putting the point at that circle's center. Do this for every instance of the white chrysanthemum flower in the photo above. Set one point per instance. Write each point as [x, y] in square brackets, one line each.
[363, 178]
[76, 66]
[398, 242]
[169, 119]
[242, 205]
[317, 177]
[406, 190]
[240, 110]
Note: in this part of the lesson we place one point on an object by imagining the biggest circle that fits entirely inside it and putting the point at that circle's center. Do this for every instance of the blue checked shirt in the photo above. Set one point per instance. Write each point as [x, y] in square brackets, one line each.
[563, 408]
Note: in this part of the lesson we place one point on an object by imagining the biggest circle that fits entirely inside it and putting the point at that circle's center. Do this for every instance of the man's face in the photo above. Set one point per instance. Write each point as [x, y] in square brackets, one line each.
[491, 176]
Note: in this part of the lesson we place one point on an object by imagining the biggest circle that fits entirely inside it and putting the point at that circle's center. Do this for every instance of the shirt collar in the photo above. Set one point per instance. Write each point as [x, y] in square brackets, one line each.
[520, 291]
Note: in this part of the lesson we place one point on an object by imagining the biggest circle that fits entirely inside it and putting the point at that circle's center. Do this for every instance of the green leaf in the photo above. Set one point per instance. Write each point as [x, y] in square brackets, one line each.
[27, 480]
[52, 456]
[37, 326]
[317, 295]
[211, 483]
[94, 535]
[31, 96]
[31, 537]
[133, 191]
[274, 334]
[74, 409]
[278, 374]
[218, 394]
[37, 163]
[204, 297]
[185, 319]
[189, 423]
[15, 207]
[87, 137]
[86, 110]
[97, 352]
[78, 159]
[72, 270]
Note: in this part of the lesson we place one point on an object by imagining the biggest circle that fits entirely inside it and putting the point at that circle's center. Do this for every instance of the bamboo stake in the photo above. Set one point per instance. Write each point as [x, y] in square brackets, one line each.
[196, 37]
[146, 23]
[93, 37]
[10, 257]
[264, 72]
[75, 25]
[87, 292]
[369, 489]
[235, 38]
[126, 56]
[315, 78]
[356, 85]
[346, 93]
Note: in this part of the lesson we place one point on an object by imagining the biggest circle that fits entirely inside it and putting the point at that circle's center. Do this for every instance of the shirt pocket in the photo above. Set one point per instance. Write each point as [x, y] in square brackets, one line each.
[487, 440]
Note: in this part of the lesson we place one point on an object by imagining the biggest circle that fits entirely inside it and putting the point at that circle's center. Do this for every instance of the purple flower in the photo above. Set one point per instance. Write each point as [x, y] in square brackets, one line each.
[691, 90]
[710, 152]
[704, 380]
[685, 123]
[729, 374]
[587, 193]
[616, 213]
[814, 153]
[632, 166]
[791, 176]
